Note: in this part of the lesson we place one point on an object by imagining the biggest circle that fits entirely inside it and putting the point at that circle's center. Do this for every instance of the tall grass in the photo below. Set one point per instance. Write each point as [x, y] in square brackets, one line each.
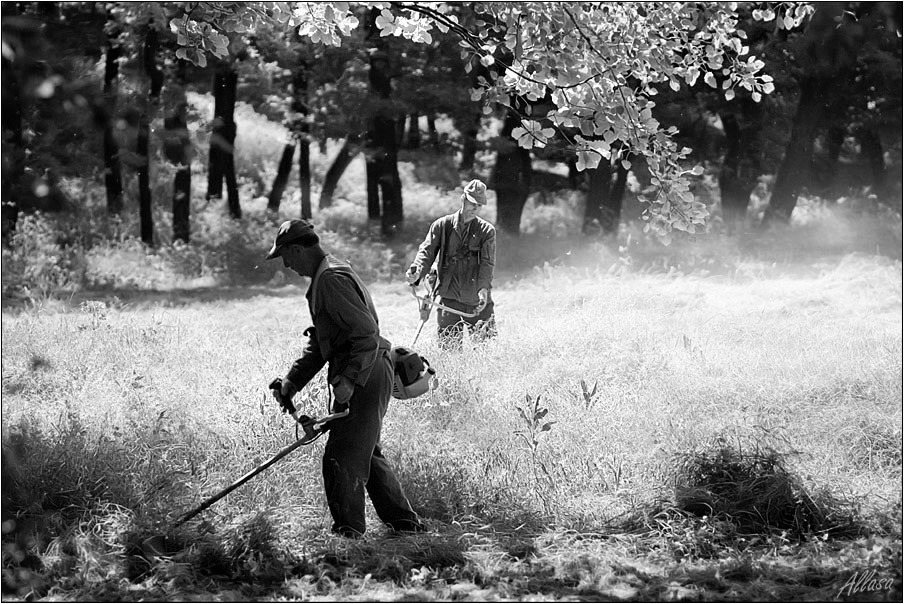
[673, 361]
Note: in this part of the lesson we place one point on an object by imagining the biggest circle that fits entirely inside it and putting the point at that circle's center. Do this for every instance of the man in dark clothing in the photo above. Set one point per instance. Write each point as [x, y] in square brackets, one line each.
[464, 248]
[346, 335]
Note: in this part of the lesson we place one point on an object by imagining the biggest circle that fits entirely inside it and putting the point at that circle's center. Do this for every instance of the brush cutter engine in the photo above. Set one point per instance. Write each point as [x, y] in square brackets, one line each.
[411, 373]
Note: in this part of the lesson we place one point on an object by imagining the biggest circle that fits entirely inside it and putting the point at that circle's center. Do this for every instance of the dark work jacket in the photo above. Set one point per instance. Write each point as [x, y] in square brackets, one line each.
[466, 258]
[346, 331]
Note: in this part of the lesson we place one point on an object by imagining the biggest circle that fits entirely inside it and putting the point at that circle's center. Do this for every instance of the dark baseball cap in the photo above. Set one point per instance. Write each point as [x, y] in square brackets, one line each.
[292, 231]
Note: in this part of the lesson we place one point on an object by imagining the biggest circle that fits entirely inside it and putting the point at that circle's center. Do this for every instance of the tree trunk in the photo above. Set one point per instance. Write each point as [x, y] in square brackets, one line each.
[828, 52]
[182, 204]
[303, 129]
[222, 140]
[299, 128]
[414, 131]
[177, 149]
[383, 181]
[304, 175]
[282, 178]
[112, 170]
[331, 179]
[432, 134]
[602, 213]
[598, 180]
[739, 172]
[617, 194]
[145, 216]
[574, 176]
[155, 78]
[871, 149]
[469, 129]
[511, 179]
[13, 155]
[792, 175]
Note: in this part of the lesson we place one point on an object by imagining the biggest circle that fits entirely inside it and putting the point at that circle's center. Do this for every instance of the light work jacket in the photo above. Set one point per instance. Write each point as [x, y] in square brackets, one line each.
[465, 255]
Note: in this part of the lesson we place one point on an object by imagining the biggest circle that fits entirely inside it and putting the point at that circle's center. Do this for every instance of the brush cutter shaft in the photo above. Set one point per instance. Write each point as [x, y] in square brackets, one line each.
[313, 428]
[429, 301]
[209, 502]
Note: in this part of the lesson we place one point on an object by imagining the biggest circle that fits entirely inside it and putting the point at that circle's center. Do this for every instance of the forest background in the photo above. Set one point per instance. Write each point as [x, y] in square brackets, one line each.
[696, 389]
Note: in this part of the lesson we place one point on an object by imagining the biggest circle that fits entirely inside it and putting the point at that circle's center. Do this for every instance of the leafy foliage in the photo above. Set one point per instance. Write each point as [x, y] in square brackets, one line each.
[597, 65]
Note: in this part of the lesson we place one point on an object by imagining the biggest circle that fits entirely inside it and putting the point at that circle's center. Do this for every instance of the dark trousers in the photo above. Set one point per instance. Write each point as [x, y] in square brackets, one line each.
[353, 461]
[450, 326]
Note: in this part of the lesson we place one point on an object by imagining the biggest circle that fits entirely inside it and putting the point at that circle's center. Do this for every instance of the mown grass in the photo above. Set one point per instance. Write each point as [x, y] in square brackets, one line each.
[693, 409]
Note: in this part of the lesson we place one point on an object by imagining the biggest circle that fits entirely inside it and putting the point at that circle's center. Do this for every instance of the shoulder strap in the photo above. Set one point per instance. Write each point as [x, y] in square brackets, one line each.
[444, 242]
[323, 266]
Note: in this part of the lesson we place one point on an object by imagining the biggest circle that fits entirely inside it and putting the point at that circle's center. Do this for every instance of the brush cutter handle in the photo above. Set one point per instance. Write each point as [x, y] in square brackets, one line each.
[284, 401]
[424, 300]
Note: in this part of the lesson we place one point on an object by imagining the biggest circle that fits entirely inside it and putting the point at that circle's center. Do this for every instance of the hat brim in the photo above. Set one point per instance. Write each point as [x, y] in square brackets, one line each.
[475, 200]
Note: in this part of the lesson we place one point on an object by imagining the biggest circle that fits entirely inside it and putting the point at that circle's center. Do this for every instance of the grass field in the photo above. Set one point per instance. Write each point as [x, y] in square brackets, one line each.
[719, 420]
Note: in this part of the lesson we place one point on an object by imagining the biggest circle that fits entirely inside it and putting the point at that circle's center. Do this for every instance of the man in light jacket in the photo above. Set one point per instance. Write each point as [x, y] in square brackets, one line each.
[464, 248]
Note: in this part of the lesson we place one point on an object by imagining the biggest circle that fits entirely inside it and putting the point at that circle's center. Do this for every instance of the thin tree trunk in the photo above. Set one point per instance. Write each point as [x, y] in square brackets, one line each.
[177, 148]
[469, 129]
[182, 204]
[145, 215]
[334, 173]
[617, 195]
[13, 148]
[112, 170]
[432, 134]
[303, 128]
[222, 140]
[871, 149]
[304, 175]
[414, 132]
[282, 178]
[383, 181]
[155, 77]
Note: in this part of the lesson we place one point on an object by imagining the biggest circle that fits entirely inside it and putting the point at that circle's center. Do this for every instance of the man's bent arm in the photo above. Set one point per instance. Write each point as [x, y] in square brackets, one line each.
[426, 253]
[311, 362]
[349, 311]
[487, 262]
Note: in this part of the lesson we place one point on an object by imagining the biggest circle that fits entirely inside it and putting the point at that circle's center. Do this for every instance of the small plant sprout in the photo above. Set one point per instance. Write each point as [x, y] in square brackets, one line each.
[588, 394]
[534, 416]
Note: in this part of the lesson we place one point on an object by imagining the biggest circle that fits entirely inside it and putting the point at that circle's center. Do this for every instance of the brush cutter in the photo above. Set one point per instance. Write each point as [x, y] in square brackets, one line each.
[313, 429]
[426, 303]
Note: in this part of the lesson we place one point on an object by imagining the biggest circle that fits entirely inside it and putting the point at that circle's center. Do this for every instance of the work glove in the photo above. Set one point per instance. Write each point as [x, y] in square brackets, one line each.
[412, 275]
[343, 388]
[286, 391]
[483, 296]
